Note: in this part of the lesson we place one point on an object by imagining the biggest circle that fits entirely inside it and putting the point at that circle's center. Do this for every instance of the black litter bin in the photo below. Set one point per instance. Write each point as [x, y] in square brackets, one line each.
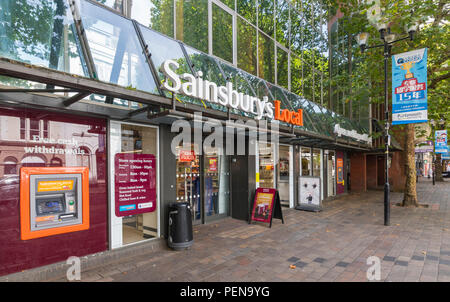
[180, 226]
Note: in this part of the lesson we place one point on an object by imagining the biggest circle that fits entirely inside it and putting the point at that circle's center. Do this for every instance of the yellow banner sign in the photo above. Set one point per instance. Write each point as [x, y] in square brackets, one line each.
[55, 185]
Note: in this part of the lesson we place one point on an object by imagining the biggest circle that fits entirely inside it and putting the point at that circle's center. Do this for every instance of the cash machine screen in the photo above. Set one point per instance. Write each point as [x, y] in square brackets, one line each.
[55, 200]
[50, 206]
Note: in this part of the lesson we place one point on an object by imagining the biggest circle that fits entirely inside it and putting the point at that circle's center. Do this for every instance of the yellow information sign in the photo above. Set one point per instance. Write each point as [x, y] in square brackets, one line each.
[55, 185]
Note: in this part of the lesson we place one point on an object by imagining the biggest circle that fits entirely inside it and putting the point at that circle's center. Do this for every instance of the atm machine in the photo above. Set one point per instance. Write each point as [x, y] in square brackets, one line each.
[53, 201]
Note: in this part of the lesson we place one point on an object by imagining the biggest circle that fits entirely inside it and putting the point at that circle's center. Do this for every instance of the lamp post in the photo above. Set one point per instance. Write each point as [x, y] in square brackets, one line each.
[388, 39]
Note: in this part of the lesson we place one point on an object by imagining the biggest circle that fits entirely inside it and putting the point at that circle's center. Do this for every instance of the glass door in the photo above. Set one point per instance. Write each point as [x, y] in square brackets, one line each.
[216, 184]
[266, 166]
[188, 180]
[283, 175]
[331, 174]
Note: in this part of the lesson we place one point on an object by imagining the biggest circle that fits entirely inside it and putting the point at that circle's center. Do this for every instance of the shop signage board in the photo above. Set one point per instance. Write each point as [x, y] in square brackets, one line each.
[340, 170]
[309, 194]
[409, 87]
[440, 138]
[424, 147]
[266, 206]
[186, 155]
[135, 184]
[197, 87]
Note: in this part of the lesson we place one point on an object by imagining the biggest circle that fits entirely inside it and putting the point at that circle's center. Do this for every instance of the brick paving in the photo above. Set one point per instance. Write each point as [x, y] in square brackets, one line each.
[332, 245]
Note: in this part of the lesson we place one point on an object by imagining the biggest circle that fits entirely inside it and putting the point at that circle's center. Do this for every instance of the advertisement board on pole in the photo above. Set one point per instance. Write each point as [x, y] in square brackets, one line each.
[440, 138]
[409, 87]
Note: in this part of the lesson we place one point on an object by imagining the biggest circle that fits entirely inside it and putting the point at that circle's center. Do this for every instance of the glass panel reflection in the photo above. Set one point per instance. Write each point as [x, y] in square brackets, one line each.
[40, 33]
[192, 23]
[161, 49]
[266, 54]
[246, 46]
[115, 49]
[157, 15]
[222, 34]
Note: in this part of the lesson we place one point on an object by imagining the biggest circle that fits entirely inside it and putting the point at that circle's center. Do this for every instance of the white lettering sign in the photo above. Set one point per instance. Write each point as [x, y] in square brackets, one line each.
[223, 95]
[351, 133]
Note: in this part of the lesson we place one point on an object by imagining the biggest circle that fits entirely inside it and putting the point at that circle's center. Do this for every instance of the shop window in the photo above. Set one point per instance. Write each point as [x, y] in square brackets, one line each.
[222, 33]
[306, 161]
[266, 166]
[316, 162]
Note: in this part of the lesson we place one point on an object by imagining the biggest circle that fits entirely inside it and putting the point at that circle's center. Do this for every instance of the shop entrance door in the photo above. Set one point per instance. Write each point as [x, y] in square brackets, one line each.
[331, 174]
[203, 181]
[216, 177]
[283, 175]
[188, 180]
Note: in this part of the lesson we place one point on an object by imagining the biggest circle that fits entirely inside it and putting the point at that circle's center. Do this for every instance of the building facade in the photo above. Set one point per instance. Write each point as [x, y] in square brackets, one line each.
[95, 85]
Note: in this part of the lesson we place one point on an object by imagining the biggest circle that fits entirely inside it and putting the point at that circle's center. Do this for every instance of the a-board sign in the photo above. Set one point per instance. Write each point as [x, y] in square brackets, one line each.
[266, 206]
[135, 184]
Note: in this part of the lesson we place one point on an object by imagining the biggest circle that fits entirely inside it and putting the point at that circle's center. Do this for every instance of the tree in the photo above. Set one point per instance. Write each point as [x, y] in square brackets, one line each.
[432, 17]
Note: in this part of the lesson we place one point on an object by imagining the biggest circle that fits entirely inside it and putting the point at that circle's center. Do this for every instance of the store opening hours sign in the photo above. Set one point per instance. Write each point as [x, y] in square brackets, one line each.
[135, 184]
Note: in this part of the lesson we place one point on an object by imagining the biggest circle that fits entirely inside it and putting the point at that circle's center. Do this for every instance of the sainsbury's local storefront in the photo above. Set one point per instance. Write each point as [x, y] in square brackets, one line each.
[98, 137]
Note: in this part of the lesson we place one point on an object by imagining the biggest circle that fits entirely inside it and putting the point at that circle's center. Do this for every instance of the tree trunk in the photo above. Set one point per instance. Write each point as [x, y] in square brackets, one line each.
[410, 195]
[438, 165]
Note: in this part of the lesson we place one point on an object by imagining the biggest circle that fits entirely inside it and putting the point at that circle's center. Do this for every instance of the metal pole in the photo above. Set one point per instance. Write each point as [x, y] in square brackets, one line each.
[386, 110]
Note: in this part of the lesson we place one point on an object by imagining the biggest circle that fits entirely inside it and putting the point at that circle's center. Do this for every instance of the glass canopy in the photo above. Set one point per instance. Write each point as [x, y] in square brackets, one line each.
[45, 34]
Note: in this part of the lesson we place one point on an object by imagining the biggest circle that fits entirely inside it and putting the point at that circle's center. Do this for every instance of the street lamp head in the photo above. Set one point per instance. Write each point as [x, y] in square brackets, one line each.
[382, 28]
[411, 29]
[362, 40]
[389, 38]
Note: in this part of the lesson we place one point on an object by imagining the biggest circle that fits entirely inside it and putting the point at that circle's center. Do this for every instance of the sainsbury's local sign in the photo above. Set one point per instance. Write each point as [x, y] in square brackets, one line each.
[197, 87]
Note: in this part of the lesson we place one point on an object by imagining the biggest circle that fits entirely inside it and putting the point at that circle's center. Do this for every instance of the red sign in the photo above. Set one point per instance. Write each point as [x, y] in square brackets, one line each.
[263, 205]
[186, 155]
[135, 183]
[213, 164]
[410, 85]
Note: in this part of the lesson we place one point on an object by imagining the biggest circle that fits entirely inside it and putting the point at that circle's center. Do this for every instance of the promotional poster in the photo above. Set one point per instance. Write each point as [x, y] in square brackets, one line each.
[263, 205]
[309, 191]
[440, 141]
[409, 87]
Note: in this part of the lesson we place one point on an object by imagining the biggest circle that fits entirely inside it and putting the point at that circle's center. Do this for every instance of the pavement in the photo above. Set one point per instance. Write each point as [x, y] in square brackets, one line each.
[331, 245]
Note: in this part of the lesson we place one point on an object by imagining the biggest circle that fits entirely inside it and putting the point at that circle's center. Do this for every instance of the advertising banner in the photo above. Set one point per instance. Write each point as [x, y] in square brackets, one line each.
[266, 206]
[409, 87]
[446, 156]
[135, 183]
[440, 145]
